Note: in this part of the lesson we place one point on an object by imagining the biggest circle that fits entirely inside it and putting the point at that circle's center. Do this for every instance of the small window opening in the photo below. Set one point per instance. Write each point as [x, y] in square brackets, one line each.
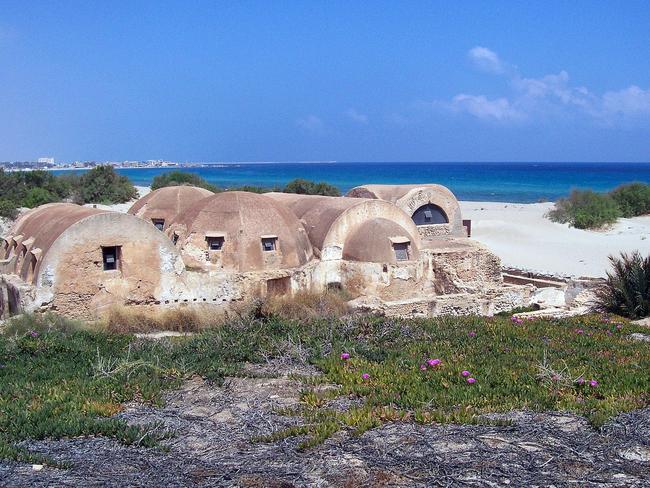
[401, 251]
[158, 223]
[174, 238]
[111, 257]
[269, 243]
[428, 217]
[215, 243]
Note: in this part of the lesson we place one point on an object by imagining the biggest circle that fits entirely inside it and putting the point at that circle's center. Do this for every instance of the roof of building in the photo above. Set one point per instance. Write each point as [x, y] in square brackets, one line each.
[379, 248]
[168, 203]
[393, 193]
[329, 220]
[243, 219]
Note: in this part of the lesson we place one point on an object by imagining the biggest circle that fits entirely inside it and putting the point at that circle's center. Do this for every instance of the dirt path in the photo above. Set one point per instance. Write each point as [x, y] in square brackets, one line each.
[214, 426]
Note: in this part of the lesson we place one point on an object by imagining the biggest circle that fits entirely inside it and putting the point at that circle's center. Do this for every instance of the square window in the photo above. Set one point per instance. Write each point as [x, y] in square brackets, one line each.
[158, 223]
[215, 243]
[401, 251]
[111, 257]
[269, 243]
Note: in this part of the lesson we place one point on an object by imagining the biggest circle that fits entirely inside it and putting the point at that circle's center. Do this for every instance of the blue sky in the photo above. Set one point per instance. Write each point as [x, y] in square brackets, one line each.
[348, 81]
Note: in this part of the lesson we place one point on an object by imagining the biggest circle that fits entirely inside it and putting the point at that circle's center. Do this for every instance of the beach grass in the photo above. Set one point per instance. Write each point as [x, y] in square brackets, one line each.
[61, 379]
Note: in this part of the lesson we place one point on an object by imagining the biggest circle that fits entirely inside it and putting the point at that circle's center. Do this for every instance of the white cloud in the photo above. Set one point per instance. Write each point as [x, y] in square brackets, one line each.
[356, 116]
[479, 106]
[311, 123]
[549, 95]
[486, 59]
[630, 101]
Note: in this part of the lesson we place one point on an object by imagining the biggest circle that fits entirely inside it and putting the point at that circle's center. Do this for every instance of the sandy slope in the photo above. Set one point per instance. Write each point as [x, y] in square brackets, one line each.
[123, 207]
[522, 237]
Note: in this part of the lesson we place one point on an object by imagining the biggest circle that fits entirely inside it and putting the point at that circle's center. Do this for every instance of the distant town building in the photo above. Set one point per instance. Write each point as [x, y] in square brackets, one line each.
[46, 160]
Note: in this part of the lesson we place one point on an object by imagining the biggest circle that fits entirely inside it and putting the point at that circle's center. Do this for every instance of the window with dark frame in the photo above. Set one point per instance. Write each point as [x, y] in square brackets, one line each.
[269, 243]
[111, 257]
[215, 243]
[174, 238]
[159, 223]
[401, 251]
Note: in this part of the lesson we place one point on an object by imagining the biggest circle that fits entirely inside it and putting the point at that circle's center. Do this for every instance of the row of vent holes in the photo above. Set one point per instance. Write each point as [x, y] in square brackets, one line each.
[186, 300]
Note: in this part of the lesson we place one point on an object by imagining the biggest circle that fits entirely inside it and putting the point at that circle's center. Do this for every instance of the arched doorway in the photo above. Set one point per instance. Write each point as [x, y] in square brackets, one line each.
[430, 214]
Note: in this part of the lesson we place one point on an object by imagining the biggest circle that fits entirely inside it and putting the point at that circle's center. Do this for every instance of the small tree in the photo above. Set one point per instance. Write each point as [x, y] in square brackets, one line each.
[627, 288]
[7, 209]
[103, 185]
[176, 178]
[39, 196]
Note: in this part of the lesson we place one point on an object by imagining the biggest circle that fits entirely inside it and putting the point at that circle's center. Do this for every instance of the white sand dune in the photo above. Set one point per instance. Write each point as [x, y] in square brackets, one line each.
[522, 237]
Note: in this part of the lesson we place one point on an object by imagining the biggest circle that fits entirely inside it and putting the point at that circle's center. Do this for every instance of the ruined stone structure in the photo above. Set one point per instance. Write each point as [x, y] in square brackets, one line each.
[400, 250]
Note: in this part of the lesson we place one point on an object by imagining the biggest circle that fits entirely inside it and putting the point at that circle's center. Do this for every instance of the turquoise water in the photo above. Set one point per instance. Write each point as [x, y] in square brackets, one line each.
[507, 182]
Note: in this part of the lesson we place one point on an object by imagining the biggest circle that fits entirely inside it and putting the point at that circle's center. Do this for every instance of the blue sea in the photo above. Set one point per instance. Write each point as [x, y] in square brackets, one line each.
[500, 182]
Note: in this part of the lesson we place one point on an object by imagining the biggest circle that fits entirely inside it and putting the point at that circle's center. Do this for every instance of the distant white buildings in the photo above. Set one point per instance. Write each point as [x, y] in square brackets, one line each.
[46, 160]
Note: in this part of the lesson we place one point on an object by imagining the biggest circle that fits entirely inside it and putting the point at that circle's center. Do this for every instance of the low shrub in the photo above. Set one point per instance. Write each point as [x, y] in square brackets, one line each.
[128, 320]
[306, 305]
[585, 209]
[627, 289]
[632, 199]
[306, 187]
[176, 178]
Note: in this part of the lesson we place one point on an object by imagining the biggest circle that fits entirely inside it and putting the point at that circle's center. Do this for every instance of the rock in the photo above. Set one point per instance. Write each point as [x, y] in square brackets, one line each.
[550, 297]
[640, 337]
[644, 322]
[637, 453]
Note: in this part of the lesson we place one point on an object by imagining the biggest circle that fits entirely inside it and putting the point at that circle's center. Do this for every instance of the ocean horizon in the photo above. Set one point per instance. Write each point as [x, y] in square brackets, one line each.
[507, 182]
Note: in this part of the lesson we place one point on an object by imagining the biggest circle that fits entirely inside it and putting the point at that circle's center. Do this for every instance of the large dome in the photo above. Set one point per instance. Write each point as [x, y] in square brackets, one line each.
[162, 206]
[380, 241]
[240, 231]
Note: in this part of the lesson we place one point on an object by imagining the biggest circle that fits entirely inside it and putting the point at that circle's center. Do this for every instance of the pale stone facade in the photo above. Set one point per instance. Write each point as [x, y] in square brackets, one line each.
[215, 250]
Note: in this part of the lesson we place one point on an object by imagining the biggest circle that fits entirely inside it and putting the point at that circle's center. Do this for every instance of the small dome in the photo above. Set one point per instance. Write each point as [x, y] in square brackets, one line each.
[240, 231]
[162, 206]
[380, 241]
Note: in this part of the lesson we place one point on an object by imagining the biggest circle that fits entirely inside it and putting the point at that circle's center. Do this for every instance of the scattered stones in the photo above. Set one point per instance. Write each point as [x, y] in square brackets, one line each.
[640, 337]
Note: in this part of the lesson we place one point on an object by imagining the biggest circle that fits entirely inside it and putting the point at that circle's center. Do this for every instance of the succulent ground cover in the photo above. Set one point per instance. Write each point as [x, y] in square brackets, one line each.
[62, 380]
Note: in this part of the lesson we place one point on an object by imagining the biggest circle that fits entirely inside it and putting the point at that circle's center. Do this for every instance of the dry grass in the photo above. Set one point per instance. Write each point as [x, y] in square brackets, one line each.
[125, 320]
[307, 305]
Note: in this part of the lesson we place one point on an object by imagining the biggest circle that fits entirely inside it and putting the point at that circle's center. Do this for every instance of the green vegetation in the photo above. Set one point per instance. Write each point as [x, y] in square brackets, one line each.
[176, 178]
[585, 209]
[103, 185]
[627, 289]
[61, 379]
[632, 199]
[33, 188]
[305, 187]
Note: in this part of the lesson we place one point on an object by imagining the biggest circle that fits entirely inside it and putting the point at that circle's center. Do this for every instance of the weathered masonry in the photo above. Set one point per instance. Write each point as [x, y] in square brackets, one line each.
[398, 249]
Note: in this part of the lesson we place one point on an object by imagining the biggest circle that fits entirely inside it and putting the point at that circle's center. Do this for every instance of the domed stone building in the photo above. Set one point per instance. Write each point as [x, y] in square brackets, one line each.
[80, 260]
[163, 205]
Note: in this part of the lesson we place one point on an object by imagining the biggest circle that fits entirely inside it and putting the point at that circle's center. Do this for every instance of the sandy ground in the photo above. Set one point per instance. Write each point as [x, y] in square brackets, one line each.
[522, 237]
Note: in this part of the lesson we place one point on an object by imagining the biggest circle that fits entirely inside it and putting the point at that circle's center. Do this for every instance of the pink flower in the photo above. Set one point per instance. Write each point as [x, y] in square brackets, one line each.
[433, 362]
[33, 333]
[593, 383]
[471, 380]
[365, 376]
[471, 333]
[345, 356]
[580, 380]
[619, 327]
[465, 373]
[423, 367]
[580, 331]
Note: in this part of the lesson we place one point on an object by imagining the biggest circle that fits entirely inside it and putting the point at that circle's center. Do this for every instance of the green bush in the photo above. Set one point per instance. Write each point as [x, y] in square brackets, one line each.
[627, 289]
[632, 199]
[306, 187]
[38, 196]
[7, 209]
[103, 185]
[585, 209]
[176, 178]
